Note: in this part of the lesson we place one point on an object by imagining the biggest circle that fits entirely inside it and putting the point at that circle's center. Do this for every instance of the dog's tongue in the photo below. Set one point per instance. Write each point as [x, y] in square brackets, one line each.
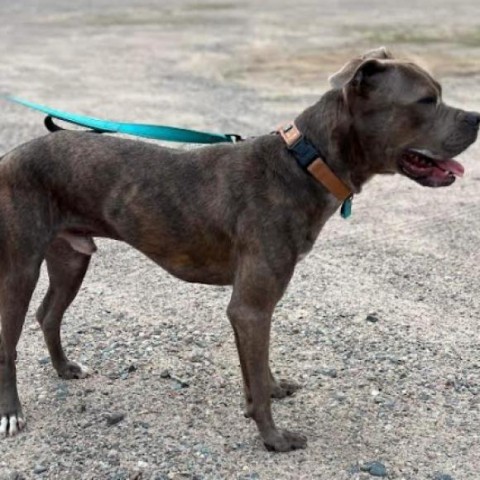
[451, 165]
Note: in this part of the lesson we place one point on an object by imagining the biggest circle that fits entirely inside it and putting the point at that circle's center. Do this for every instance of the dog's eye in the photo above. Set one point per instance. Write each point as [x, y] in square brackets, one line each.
[427, 100]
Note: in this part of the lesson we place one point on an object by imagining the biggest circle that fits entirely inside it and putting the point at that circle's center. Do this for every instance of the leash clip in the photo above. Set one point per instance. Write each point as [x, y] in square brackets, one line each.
[234, 137]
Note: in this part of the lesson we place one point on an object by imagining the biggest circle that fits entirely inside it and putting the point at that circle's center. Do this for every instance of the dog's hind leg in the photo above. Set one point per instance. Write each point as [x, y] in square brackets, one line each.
[66, 270]
[17, 282]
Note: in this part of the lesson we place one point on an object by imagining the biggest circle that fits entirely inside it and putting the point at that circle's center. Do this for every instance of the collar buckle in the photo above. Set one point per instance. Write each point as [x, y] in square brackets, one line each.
[310, 159]
[301, 148]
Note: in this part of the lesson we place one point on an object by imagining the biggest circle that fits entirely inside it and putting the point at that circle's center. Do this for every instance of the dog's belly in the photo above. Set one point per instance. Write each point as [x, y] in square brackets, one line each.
[194, 256]
[192, 268]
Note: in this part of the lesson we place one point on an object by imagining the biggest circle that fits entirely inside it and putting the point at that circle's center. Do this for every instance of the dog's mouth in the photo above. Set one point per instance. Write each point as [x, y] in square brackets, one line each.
[429, 169]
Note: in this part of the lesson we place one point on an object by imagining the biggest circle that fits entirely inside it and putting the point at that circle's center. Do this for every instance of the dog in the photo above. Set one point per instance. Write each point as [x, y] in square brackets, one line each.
[230, 214]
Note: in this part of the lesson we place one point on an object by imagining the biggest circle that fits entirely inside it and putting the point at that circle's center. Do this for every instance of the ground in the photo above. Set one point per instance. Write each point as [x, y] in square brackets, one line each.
[401, 387]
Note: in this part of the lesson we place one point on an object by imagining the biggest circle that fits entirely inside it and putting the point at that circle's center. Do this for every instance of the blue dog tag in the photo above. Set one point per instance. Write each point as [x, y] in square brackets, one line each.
[346, 209]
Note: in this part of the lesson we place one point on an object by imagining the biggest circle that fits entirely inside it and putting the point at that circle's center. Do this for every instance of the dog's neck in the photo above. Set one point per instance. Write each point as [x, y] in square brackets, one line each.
[328, 126]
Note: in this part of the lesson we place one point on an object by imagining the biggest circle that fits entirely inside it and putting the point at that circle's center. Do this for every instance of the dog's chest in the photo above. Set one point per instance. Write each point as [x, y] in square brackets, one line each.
[314, 229]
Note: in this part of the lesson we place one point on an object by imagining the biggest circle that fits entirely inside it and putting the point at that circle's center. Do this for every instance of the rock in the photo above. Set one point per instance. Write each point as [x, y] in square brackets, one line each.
[112, 454]
[179, 383]
[11, 475]
[197, 357]
[442, 476]
[114, 418]
[165, 374]
[39, 469]
[142, 424]
[62, 391]
[354, 469]
[17, 476]
[376, 469]
[340, 396]
[372, 318]
[329, 372]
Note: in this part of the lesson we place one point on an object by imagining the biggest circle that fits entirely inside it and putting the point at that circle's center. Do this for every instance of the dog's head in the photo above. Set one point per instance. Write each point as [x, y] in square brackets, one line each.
[400, 121]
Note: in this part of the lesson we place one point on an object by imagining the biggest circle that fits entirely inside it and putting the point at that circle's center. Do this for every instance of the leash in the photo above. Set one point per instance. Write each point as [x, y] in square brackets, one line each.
[157, 132]
[310, 159]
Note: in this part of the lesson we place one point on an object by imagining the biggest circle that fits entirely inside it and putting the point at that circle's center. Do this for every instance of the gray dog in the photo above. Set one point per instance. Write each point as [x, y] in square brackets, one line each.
[240, 215]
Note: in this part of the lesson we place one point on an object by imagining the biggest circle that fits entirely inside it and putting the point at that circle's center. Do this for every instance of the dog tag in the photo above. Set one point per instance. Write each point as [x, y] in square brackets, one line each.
[346, 209]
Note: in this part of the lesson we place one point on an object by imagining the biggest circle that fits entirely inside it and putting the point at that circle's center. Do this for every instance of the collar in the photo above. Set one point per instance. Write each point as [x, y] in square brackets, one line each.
[309, 158]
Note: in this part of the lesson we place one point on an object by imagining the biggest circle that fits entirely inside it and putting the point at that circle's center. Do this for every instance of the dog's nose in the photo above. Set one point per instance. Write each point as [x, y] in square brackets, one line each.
[473, 119]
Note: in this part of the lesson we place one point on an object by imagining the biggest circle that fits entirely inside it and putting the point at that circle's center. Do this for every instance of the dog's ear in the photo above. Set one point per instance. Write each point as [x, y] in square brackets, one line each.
[364, 75]
[381, 53]
[352, 68]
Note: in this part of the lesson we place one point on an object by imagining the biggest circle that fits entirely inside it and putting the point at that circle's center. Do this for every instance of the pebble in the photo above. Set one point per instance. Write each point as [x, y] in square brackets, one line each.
[114, 418]
[17, 476]
[376, 469]
[372, 318]
[62, 391]
[40, 469]
[442, 476]
[340, 396]
[329, 372]
[112, 454]
[197, 357]
[179, 383]
[11, 475]
[165, 374]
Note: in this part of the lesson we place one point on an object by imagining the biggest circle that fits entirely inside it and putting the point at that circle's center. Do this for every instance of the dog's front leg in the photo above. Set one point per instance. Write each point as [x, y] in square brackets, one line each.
[257, 289]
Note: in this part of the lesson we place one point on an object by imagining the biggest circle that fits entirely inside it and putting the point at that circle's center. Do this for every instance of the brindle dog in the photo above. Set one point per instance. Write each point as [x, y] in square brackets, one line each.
[238, 215]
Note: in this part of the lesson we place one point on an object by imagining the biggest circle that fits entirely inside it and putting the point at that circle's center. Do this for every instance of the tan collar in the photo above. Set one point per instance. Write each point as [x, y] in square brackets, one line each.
[313, 162]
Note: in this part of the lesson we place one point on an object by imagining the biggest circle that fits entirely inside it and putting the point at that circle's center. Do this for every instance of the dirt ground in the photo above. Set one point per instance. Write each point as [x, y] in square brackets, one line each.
[403, 390]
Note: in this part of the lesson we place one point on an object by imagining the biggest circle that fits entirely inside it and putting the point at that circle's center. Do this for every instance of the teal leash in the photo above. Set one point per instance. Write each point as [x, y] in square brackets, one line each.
[157, 132]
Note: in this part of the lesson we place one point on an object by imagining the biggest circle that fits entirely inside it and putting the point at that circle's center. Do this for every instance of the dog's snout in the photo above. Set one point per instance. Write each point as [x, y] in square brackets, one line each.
[473, 119]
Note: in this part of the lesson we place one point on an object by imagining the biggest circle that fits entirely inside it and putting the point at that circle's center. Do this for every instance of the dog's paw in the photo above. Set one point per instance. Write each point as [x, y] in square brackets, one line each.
[70, 370]
[11, 424]
[285, 441]
[284, 388]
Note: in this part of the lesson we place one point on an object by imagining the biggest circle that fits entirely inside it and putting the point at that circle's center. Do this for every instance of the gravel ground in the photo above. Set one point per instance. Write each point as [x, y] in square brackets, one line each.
[380, 322]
